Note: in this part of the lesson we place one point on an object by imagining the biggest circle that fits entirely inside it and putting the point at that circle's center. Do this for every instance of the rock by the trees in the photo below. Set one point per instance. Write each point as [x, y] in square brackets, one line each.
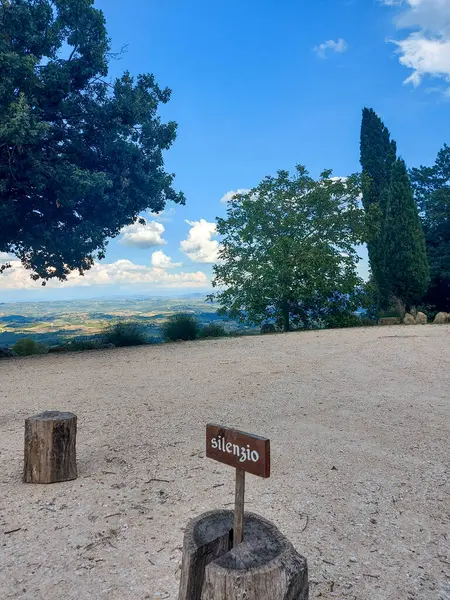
[50, 447]
[265, 566]
[409, 319]
[441, 318]
[421, 318]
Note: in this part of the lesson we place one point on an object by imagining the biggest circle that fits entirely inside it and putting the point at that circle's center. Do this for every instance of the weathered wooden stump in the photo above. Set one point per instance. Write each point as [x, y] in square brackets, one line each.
[265, 566]
[50, 447]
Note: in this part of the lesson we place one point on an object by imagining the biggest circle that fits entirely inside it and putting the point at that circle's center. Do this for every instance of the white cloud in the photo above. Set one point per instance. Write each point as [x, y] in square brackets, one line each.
[5, 256]
[143, 236]
[338, 46]
[427, 57]
[199, 245]
[229, 195]
[121, 272]
[162, 261]
[426, 49]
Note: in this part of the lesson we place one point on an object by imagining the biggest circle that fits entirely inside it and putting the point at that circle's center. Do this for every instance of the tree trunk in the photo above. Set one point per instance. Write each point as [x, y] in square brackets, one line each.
[400, 307]
[265, 566]
[50, 448]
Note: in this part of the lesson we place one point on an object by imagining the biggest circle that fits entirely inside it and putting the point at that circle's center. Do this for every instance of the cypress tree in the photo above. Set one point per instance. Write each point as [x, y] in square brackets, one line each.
[405, 250]
[432, 191]
[378, 154]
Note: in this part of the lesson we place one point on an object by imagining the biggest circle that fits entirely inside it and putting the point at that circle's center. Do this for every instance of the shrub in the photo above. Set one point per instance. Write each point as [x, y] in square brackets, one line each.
[57, 349]
[28, 347]
[213, 330]
[342, 320]
[391, 313]
[367, 321]
[6, 353]
[81, 344]
[268, 328]
[125, 333]
[181, 326]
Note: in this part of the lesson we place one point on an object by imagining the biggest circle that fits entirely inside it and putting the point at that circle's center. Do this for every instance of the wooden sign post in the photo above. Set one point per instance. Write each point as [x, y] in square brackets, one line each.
[246, 453]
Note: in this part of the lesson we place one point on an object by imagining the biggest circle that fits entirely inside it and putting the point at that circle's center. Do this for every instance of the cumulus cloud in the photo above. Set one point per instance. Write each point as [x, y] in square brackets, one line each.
[338, 46]
[162, 261]
[199, 245]
[426, 48]
[229, 195]
[143, 236]
[121, 272]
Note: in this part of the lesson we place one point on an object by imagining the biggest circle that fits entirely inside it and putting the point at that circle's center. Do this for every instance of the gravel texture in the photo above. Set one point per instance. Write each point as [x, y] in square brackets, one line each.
[358, 421]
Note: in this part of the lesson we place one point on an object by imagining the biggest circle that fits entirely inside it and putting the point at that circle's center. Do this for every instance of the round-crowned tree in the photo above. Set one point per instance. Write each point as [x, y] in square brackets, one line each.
[80, 154]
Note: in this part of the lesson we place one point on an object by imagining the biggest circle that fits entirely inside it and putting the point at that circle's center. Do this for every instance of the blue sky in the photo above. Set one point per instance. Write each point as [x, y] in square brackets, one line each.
[259, 86]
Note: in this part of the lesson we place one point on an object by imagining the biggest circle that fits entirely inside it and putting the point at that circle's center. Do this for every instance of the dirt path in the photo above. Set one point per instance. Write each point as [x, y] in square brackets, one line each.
[359, 426]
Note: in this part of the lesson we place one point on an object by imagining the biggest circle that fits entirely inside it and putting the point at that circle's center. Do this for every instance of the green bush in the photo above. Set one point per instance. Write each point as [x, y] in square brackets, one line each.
[28, 347]
[125, 333]
[181, 326]
[268, 328]
[367, 321]
[213, 330]
[388, 314]
[342, 320]
[81, 344]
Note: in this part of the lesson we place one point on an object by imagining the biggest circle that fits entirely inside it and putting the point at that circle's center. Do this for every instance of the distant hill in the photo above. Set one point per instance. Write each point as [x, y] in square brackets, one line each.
[55, 321]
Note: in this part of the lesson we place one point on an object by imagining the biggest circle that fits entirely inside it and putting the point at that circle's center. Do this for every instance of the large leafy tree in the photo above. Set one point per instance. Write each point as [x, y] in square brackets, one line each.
[80, 156]
[378, 154]
[432, 190]
[288, 249]
[405, 252]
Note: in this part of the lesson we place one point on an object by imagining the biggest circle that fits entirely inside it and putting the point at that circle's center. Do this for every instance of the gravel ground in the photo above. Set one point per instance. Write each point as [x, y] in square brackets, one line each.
[358, 422]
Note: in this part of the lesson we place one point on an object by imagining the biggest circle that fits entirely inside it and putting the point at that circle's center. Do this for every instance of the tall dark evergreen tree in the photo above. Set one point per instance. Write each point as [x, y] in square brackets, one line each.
[405, 252]
[432, 190]
[378, 154]
[80, 155]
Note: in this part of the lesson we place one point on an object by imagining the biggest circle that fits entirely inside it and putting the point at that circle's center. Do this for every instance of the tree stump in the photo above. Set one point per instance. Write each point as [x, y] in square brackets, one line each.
[265, 566]
[50, 447]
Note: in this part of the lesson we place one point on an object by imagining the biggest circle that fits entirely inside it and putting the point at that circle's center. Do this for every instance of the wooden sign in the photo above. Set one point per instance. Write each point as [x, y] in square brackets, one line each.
[244, 451]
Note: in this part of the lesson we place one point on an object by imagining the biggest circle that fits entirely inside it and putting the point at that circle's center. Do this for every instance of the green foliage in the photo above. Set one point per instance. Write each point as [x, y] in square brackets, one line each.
[125, 333]
[212, 330]
[378, 154]
[268, 328]
[407, 270]
[288, 248]
[369, 299]
[28, 347]
[368, 321]
[343, 320]
[390, 313]
[181, 326]
[80, 156]
[82, 344]
[432, 190]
